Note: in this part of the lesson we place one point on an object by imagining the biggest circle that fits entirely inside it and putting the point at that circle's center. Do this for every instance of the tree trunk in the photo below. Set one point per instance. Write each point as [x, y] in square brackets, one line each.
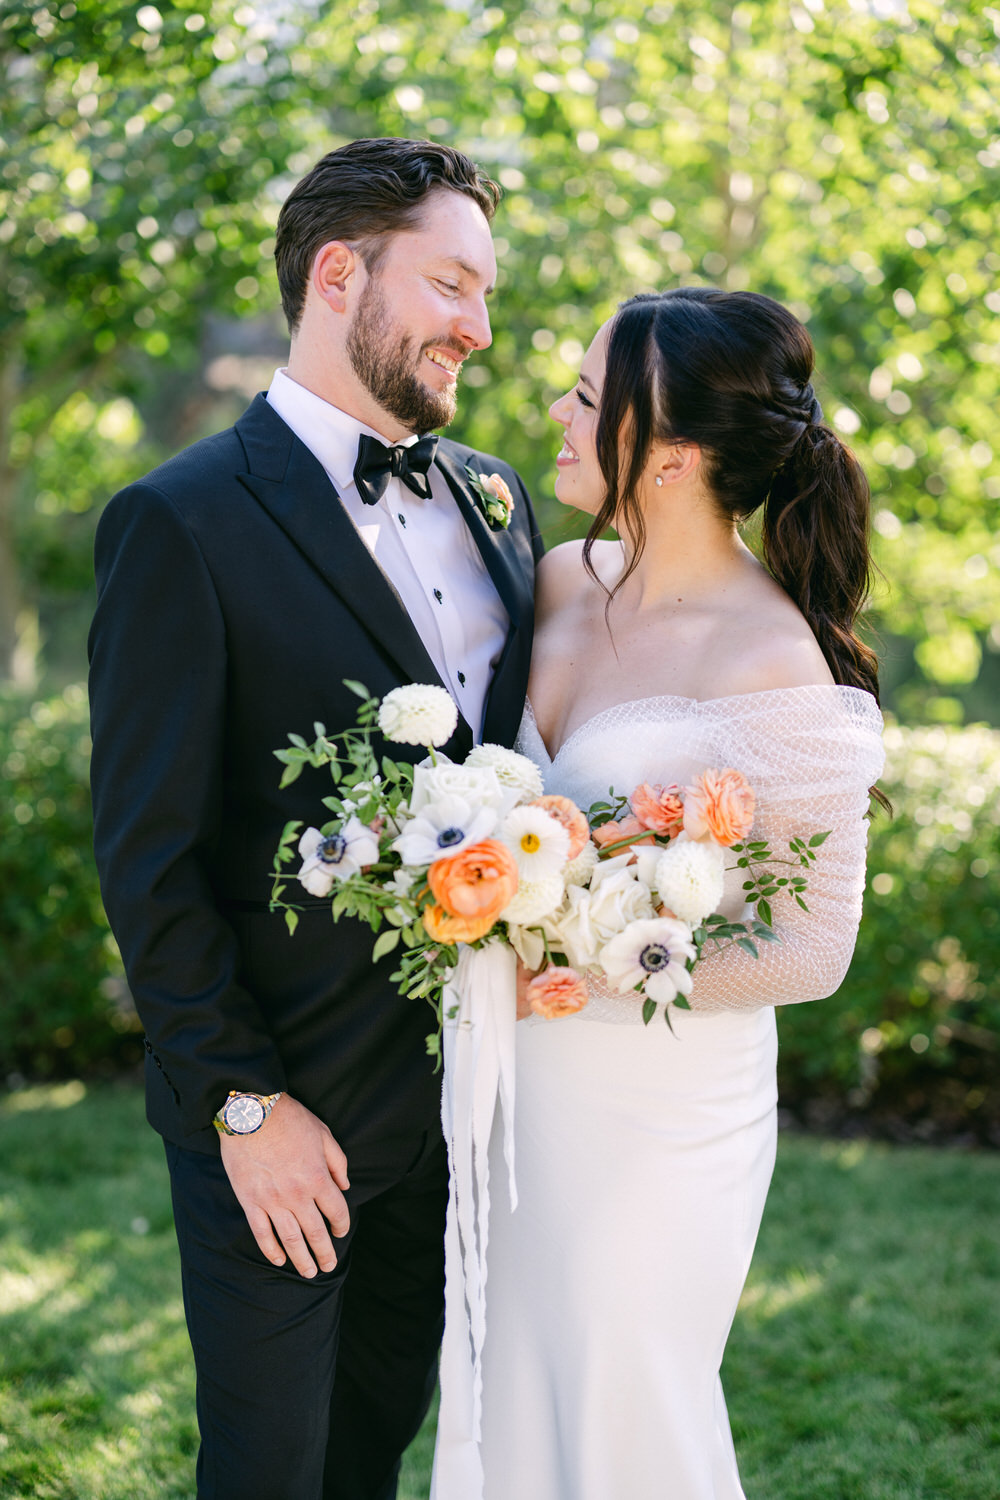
[10, 589]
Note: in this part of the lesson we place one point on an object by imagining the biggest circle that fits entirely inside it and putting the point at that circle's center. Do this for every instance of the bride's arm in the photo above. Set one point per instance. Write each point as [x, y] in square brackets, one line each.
[816, 785]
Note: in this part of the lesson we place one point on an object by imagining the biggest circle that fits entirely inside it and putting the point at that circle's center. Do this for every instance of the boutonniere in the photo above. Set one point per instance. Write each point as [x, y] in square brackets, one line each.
[493, 497]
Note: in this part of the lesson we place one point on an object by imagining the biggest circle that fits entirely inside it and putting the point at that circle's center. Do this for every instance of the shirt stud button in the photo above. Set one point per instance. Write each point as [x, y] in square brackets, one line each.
[401, 519]
[461, 678]
[439, 596]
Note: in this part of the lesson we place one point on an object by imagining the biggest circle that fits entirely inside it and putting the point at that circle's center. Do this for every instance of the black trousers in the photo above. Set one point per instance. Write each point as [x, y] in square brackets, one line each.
[311, 1389]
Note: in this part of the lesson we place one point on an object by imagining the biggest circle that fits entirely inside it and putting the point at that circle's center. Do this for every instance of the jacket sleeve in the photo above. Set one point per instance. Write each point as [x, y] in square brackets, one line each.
[158, 691]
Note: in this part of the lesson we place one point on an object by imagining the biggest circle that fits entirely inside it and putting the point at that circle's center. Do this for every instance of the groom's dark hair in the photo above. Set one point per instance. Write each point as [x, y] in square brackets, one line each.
[363, 193]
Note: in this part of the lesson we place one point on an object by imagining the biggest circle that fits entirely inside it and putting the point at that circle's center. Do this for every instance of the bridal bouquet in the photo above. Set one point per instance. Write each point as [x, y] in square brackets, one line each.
[439, 854]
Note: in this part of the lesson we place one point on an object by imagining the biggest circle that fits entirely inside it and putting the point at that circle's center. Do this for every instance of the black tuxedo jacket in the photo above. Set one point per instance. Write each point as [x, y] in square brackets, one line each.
[234, 596]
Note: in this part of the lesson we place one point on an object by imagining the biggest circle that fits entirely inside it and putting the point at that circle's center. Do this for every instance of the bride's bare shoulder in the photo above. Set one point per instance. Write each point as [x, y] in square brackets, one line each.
[773, 645]
[561, 574]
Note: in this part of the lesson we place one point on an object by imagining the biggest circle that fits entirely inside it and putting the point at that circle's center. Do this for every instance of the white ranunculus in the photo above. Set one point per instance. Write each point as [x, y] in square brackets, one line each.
[689, 878]
[534, 900]
[593, 914]
[477, 785]
[328, 858]
[418, 714]
[653, 953]
[538, 842]
[444, 828]
[515, 771]
[579, 870]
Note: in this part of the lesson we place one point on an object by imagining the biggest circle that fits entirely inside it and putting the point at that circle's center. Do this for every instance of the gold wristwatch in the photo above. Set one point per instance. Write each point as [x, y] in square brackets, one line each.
[242, 1114]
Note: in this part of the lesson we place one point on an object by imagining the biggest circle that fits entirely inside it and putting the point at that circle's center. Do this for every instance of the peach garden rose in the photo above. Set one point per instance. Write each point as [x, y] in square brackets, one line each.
[719, 806]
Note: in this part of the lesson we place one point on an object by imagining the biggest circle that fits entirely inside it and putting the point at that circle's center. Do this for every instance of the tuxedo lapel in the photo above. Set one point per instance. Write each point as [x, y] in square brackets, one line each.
[512, 573]
[293, 487]
[497, 547]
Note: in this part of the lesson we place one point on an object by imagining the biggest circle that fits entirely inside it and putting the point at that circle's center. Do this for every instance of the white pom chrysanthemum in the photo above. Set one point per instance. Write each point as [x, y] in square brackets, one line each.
[514, 771]
[535, 899]
[652, 953]
[689, 878]
[538, 842]
[418, 714]
[579, 870]
[328, 858]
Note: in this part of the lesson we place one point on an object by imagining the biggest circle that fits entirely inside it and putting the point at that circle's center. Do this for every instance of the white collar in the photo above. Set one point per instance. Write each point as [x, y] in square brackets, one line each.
[331, 435]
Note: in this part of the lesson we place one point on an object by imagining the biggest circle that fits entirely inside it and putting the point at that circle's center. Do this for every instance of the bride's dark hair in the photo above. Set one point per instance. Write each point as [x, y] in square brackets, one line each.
[730, 371]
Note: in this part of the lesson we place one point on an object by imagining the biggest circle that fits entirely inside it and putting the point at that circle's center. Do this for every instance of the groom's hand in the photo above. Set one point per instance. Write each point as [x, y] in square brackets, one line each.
[289, 1177]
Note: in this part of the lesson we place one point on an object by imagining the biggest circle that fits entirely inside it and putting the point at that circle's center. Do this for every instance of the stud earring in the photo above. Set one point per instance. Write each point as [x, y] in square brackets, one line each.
[658, 480]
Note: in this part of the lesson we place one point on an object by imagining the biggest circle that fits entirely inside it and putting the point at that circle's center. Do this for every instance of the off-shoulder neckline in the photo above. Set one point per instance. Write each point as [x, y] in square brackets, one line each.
[602, 713]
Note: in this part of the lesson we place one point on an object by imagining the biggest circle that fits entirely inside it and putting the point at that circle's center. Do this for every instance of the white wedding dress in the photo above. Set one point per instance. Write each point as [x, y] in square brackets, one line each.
[643, 1157]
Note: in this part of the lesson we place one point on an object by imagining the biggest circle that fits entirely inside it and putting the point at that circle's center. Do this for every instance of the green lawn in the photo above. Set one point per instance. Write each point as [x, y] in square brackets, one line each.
[865, 1364]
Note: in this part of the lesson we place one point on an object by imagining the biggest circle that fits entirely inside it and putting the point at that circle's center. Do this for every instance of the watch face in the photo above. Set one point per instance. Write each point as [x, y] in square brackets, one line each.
[244, 1114]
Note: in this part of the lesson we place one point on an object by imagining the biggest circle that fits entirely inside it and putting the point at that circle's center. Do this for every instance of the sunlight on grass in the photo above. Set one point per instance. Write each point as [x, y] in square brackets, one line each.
[765, 1299]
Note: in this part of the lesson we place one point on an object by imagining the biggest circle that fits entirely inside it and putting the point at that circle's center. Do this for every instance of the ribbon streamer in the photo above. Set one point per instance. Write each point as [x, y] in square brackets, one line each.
[478, 1075]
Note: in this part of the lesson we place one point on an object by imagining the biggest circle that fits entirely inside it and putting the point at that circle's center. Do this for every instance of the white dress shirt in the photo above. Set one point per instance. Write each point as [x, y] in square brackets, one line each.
[423, 546]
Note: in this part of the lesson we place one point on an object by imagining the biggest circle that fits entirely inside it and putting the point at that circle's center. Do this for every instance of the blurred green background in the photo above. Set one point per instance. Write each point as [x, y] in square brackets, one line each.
[841, 155]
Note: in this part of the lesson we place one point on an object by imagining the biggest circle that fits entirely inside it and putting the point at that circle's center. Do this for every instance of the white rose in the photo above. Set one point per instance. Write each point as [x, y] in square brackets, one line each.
[528, 945]
[593, 914]
[689, 878]
[476, 785]
[418, 714]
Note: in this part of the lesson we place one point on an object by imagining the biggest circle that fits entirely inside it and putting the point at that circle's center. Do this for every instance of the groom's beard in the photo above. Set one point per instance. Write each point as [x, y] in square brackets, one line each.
[383, 360]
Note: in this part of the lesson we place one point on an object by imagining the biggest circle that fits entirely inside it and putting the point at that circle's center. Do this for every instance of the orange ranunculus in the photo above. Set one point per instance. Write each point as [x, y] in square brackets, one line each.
[444, 928]
[476, 884]
[557, 992]
[660, 808]
[613, 833]
[569, 815]
[719, 806]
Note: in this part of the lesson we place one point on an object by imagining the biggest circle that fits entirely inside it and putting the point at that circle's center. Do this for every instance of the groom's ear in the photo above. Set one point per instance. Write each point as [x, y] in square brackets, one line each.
[335, 267]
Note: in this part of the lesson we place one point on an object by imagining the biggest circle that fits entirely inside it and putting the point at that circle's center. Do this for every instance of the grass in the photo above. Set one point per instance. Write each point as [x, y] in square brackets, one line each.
[864, 1365]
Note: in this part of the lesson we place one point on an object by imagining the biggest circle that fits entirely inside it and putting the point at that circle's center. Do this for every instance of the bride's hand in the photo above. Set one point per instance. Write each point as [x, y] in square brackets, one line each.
[524, 978]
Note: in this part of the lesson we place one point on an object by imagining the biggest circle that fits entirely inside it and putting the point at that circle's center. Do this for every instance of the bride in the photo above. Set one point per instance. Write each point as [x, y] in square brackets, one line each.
[644, 1153]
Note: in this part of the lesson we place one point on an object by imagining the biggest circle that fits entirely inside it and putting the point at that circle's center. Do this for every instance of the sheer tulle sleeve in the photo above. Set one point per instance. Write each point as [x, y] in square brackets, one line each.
[812, 773]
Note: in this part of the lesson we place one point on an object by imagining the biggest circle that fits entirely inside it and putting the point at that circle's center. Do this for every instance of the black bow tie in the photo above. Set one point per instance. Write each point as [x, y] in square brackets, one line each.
[377, 464]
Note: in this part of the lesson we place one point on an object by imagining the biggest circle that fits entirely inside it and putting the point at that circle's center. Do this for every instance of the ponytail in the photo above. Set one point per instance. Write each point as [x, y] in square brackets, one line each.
[815, 544]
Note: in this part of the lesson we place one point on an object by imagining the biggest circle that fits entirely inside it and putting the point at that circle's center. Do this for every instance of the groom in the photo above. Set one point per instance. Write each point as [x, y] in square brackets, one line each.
[326, 536]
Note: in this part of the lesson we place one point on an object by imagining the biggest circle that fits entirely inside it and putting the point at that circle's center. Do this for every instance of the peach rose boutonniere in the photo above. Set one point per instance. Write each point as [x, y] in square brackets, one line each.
[493, 497]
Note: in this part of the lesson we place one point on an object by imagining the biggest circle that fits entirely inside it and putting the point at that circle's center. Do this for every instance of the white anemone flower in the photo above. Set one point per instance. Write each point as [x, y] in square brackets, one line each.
[419, 713]
[538, 842]
[328, 858]
[652, 953]
[515, 771]
[689, 877]
[534, 900]
[442, 829]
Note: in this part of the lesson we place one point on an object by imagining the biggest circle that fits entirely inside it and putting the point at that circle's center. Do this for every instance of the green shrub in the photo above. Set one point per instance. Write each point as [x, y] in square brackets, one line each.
[914, 1031]
[63, 1003]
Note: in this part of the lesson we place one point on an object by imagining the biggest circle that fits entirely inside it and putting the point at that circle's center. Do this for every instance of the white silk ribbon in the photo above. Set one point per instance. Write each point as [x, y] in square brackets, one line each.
[478, 1046]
